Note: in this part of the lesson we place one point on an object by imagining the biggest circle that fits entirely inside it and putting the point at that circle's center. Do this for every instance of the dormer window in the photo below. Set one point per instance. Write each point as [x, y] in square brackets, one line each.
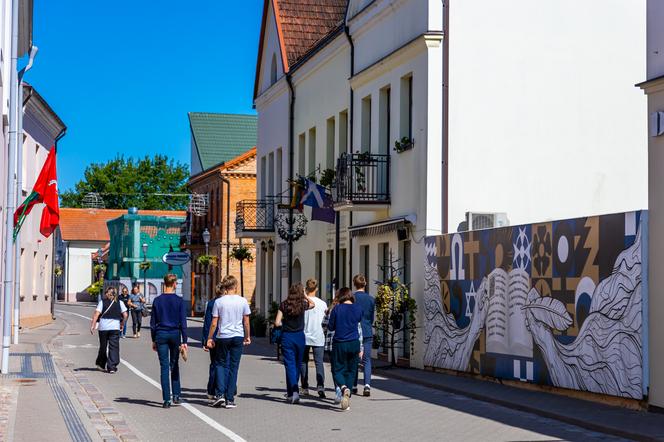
[273, 70]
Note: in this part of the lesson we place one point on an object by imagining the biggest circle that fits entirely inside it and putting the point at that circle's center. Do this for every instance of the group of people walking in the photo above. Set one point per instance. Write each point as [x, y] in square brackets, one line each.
[343, 331]
[110, 320]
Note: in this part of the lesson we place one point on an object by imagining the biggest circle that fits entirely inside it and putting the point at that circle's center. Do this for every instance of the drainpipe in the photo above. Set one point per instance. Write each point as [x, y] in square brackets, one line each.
[350, 148]
[291, 174]
[11, 192]
[55, 146]
[228, 220]
[19, 194]
[446, 107]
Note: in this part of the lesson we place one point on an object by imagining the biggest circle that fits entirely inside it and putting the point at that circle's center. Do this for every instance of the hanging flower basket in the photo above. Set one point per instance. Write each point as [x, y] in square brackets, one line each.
[241, 253]
[145, 266]
[207, 260]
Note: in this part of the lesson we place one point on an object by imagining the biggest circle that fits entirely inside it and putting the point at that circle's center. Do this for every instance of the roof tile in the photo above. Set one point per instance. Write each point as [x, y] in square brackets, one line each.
[222, 137]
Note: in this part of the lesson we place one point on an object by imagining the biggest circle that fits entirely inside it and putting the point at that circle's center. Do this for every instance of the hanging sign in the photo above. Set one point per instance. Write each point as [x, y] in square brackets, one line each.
[176, 258]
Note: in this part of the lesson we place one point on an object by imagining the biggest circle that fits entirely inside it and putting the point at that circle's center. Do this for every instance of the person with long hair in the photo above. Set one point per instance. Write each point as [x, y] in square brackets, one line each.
[168, 329]
[136, 306]
[231, 312]
[344, 321]
[108, 318]
[290, 318]
[124, 298]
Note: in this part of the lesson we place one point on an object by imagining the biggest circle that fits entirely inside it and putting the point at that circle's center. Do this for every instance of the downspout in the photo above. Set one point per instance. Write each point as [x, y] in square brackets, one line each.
[445, 118]
[350, 145]
[228, 220]
[8, 283]
[291, 165]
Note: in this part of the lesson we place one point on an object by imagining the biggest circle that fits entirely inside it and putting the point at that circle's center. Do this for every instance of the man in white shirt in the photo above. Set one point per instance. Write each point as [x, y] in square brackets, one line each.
[314, 339]
[108, 318]
[231, 312]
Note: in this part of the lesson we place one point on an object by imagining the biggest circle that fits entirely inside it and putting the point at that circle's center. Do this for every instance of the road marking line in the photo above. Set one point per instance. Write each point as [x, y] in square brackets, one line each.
[202, 416]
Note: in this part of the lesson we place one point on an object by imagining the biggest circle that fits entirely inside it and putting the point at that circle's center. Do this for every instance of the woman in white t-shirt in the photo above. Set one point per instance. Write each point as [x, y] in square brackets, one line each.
[108, 319]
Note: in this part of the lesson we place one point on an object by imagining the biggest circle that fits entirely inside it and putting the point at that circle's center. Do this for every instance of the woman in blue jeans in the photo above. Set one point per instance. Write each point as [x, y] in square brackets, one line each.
[168, 327]
[290, 318]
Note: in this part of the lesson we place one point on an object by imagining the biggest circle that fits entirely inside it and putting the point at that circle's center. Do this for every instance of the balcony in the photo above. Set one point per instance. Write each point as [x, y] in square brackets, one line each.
[363, 182]
[255, 218]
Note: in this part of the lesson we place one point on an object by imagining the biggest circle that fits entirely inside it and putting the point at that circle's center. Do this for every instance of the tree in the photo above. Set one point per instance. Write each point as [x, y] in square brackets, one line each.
[241, 254]
[127, 182]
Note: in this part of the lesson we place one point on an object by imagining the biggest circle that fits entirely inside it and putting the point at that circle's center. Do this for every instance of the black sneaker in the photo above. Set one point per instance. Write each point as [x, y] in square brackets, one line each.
[230, 404]
[218, 402]
[367, 391]
[177, 400]
[354, 390]
[167, 404]
[321, 392]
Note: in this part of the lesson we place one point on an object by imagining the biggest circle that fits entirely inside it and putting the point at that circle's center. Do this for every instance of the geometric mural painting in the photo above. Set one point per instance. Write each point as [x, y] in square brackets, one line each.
[557, 303]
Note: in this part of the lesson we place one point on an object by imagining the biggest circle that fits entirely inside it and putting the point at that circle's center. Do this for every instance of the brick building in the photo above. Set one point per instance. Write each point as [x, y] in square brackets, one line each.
[217, 138]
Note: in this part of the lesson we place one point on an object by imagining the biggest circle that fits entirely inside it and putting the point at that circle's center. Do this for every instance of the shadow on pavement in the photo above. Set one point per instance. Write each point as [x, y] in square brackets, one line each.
[144, 402]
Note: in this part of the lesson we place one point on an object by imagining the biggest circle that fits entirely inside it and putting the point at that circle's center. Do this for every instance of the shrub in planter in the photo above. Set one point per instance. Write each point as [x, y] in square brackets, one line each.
[258, 324]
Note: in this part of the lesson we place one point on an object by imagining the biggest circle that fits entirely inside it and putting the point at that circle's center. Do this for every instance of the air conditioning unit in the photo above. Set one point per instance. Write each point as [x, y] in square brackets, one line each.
[477, 221]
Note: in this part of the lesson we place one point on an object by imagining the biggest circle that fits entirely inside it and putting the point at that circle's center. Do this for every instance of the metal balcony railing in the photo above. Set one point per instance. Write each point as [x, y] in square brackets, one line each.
[255, 216]
[363, 178]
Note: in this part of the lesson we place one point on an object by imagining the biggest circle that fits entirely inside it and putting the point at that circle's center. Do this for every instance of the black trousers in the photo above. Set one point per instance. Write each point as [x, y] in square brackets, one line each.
[136, 320]
[109, 349]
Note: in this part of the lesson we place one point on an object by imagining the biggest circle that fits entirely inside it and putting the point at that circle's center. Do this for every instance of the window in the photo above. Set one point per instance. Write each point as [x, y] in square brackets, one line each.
[366, 125]
[269, 282]
[312, 151]
[406, 107]
[263, 178]
[343, 132]
[364, 261]
[279, 169]
[342, 268]
[300, 155]
[319, 267]
[384, 257]
[405, 278]
[384, 121]
[273, 70]
[270, 179]
[329, 274]
[330, 154]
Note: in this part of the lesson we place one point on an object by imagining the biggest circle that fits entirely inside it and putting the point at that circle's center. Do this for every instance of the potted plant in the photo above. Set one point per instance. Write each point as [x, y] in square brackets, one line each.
[241, 253]
[404, 144]
[57, 271]
[145, 266]
[395, 313]
[328, 177]
[95, 289]
[207, 260]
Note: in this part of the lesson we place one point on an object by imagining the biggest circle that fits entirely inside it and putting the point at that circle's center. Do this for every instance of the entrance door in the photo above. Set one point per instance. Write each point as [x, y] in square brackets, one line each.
[297, 272]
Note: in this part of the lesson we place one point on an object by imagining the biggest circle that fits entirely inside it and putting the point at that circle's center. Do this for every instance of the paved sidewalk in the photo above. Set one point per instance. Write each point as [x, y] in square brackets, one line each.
[638, 425]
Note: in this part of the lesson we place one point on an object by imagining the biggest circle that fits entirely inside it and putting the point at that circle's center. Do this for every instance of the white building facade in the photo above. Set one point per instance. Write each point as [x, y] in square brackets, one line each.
[503, 110]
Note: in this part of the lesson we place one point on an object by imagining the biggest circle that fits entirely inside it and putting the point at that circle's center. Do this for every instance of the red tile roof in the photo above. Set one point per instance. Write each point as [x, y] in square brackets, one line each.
[90, 224]
[304, 23]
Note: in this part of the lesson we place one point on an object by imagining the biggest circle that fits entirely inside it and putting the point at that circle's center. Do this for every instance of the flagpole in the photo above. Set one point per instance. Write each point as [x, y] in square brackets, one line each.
[17, 241]
[11, 193]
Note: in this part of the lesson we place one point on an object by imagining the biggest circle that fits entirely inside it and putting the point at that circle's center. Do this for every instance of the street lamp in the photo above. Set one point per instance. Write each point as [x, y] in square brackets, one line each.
[206, 241]
[145, 271]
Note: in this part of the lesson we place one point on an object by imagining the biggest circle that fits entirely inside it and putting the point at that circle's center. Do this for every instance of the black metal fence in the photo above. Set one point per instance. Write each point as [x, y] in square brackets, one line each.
[255, 216]
[363, 178]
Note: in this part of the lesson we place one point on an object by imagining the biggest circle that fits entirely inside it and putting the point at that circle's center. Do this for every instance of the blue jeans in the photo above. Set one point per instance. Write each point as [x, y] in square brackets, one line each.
[227, 363]
[168, 349]
[319, 353]
[292, 347]
[212, 376]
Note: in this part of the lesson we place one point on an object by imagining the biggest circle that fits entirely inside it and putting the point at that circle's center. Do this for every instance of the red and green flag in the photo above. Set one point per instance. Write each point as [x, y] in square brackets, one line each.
[44, 191]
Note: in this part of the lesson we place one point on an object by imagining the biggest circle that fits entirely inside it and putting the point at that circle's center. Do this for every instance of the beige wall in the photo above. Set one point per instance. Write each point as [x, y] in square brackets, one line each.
[656, 250]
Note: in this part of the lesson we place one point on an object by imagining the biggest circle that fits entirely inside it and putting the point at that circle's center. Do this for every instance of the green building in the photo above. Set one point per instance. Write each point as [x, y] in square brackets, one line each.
[139, 237]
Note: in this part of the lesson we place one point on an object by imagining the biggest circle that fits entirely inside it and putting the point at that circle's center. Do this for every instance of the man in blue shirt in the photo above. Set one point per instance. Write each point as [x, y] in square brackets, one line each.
[368, 305]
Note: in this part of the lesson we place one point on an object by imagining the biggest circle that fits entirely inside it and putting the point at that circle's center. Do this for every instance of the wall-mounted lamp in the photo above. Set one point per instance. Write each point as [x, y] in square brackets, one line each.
[263, 246]
[270, 244]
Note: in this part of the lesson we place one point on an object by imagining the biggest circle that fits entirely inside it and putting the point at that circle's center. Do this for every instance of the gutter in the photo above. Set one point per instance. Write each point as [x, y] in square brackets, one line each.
[351, 111]
[291, 166]
[445, 119]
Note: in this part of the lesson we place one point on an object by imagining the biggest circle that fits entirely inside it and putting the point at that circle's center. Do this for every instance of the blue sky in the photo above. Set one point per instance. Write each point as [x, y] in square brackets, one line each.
[122, 75]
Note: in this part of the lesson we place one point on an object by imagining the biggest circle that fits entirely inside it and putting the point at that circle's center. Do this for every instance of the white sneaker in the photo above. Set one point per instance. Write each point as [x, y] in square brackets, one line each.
[345, 399]
[337, 396]
[295, 399]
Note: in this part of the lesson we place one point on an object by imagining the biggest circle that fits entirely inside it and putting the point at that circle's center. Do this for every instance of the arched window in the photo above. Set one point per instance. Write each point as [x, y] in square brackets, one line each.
[273, 70]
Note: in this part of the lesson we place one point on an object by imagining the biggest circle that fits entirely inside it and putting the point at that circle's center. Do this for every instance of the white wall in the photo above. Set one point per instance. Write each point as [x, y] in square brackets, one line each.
[78, 266]
[655, 39]
[545, 121]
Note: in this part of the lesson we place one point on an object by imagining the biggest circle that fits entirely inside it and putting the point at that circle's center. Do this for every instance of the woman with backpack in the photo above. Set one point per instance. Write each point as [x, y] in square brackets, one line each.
[108, 319]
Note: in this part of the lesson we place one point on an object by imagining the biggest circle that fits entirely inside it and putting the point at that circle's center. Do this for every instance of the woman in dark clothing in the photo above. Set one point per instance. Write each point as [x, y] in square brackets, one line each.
[290, 318]
[219, 290]
[124, 297]
[346, 350]
[168, 327]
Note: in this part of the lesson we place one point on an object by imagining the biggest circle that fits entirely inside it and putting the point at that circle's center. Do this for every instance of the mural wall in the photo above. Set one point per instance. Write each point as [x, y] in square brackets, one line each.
[557, 303]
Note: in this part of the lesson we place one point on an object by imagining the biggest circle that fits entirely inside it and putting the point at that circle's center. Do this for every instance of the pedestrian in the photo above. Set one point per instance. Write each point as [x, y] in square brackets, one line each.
[230, 319]
[136, 307]
[344, 321]
[168, 327]
[368, 305]
[211, 385]
[124, 297]
[290, 317]
[314, 338]
[108, 319]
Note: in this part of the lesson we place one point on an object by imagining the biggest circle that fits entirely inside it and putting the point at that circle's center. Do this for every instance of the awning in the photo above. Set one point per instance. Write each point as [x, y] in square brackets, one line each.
[378, 228]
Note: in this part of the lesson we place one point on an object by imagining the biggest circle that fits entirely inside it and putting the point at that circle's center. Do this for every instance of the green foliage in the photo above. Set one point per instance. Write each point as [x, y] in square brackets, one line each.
[396, 311]
[327, 177]
[241, 253]
[258, 324]
[403, 144]
[95, 288]
[57, 271]
[99, 268]
[207, 260]
[272, 312]
[128, 182]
